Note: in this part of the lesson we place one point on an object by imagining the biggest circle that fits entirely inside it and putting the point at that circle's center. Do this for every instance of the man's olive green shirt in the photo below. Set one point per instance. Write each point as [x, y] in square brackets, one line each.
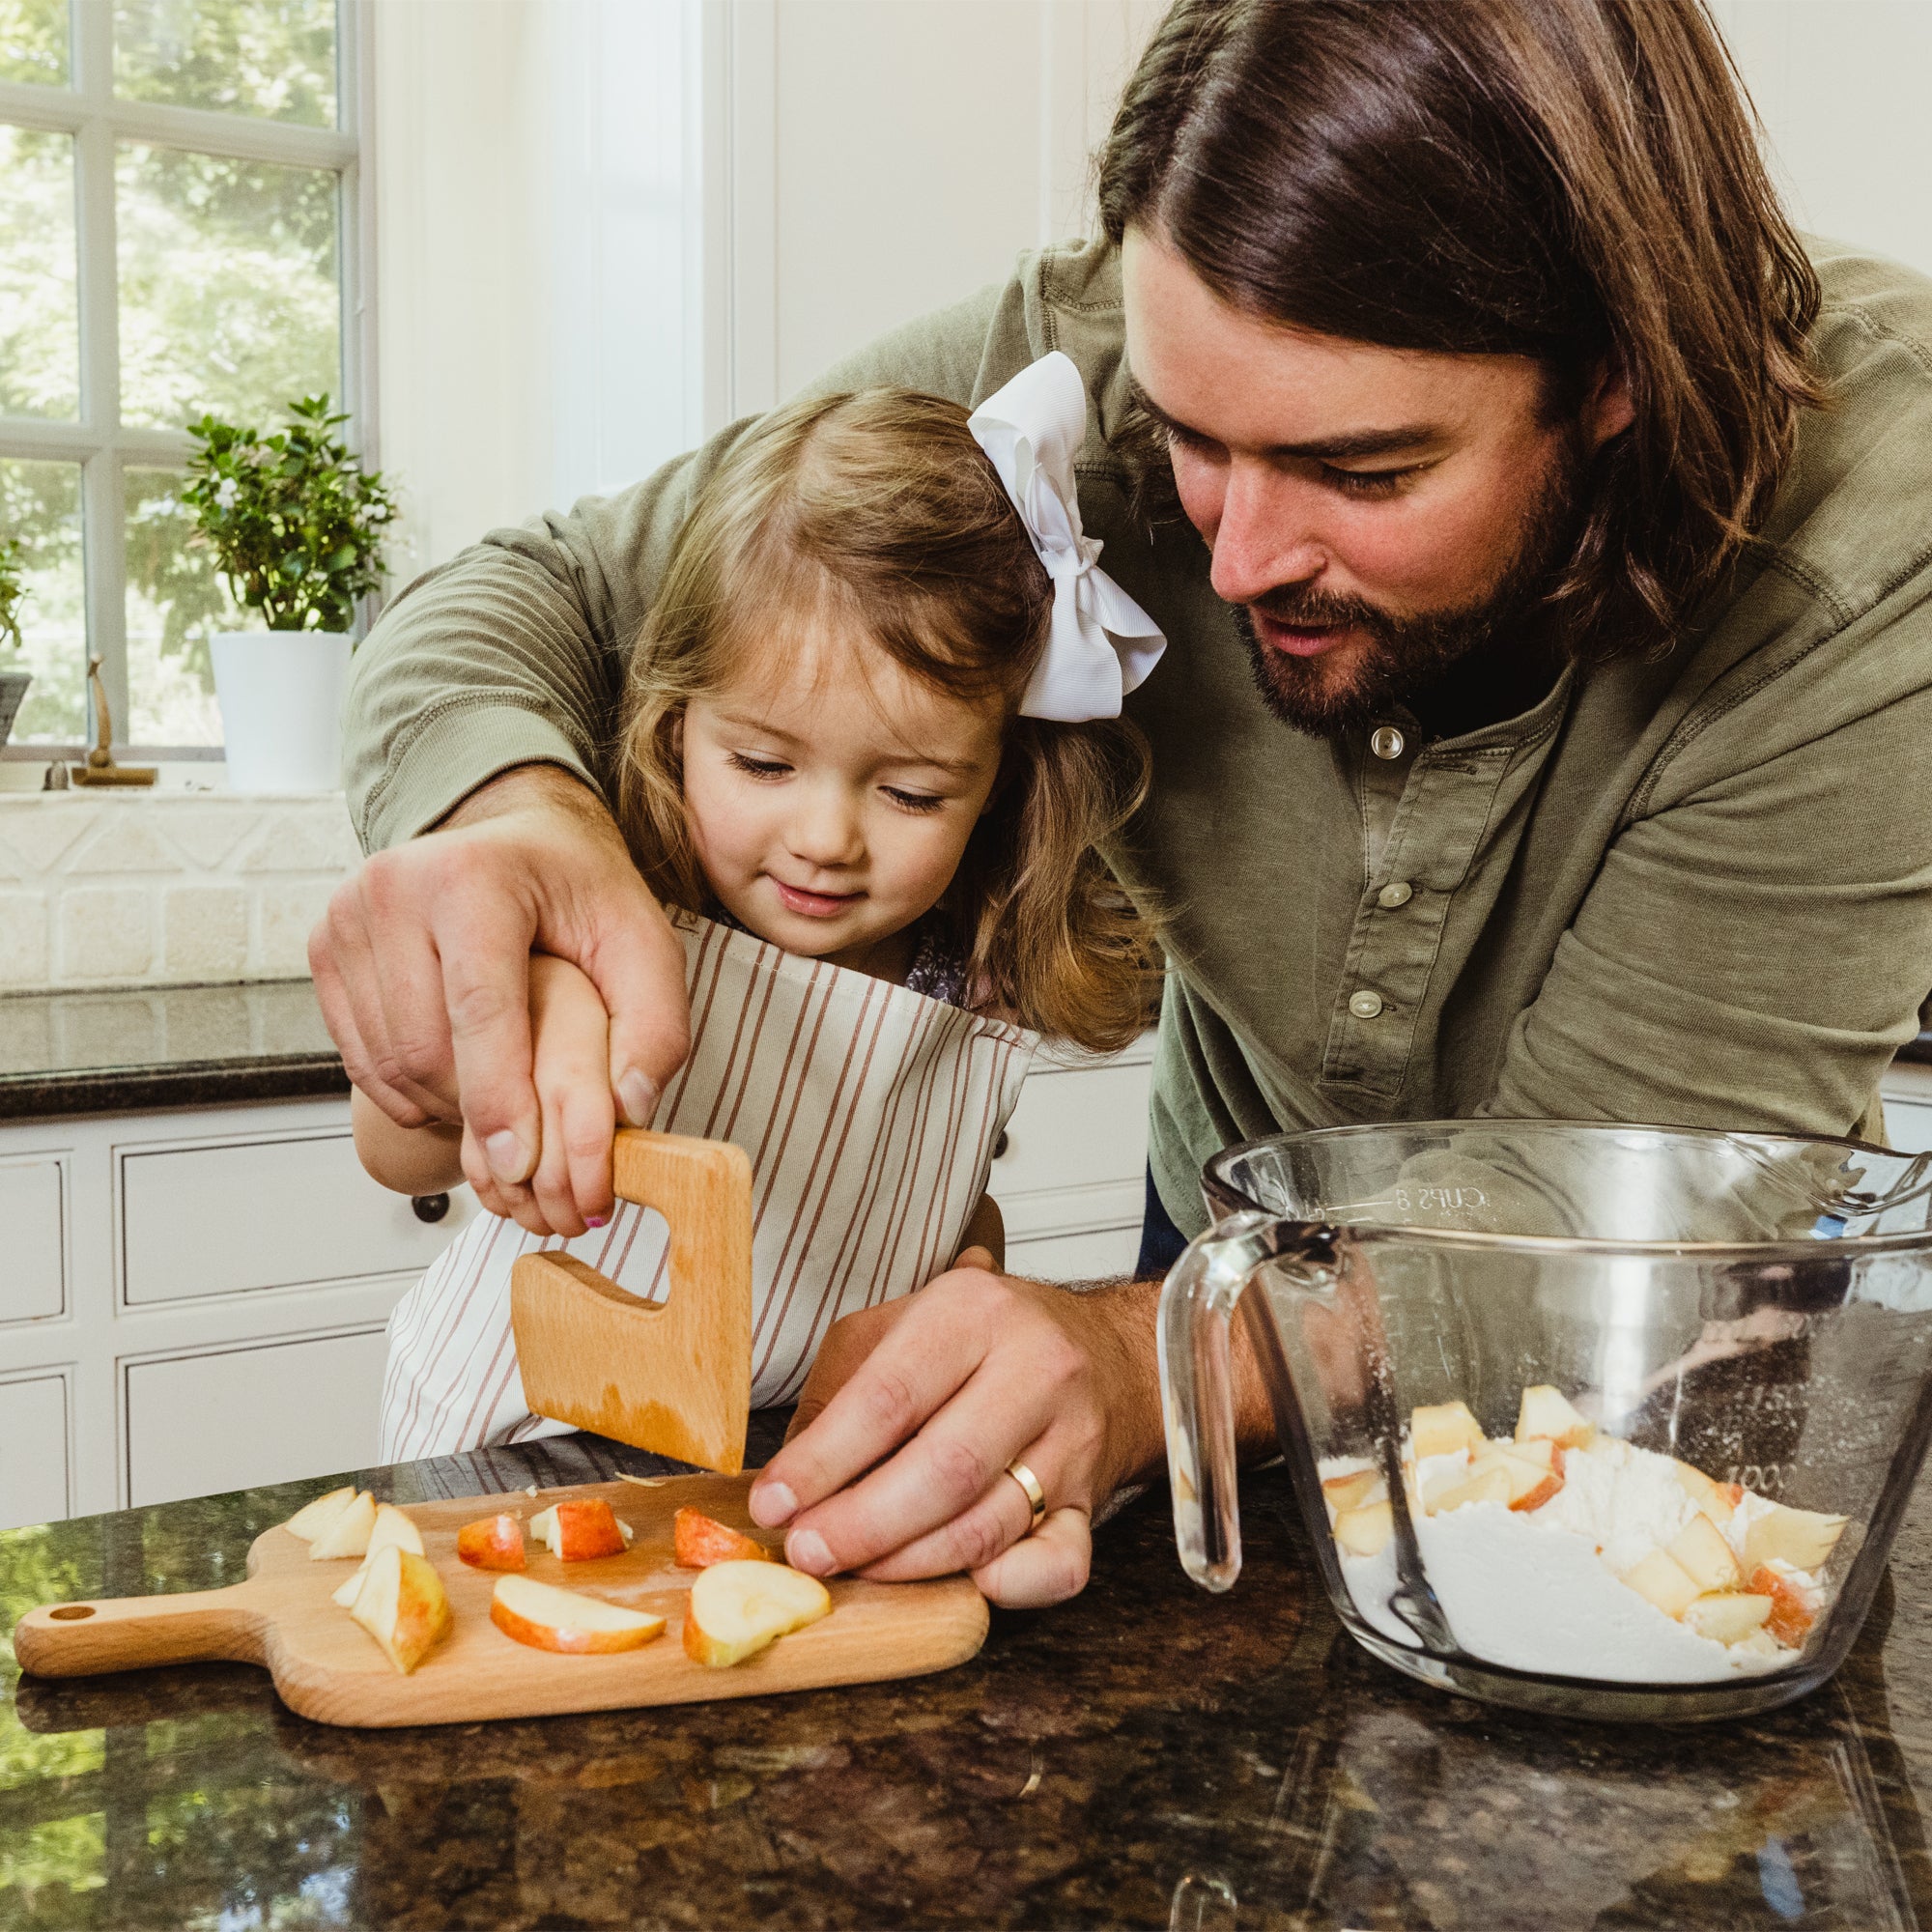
[1691, 889]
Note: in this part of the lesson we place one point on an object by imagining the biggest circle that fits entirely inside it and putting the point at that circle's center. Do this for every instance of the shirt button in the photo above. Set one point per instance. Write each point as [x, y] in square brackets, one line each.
[1398, 894]
[1365, 1005]
[1386, 742]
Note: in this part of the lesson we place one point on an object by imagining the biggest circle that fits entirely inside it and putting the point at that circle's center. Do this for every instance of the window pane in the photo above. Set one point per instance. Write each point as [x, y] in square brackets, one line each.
[40, 503]
[33, 41]
[228, 290]
[40, 318]
[173, 595]
[274, 58]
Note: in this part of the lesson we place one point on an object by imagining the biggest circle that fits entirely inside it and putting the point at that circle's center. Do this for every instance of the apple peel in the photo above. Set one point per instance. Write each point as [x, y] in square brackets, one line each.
[567, 1622]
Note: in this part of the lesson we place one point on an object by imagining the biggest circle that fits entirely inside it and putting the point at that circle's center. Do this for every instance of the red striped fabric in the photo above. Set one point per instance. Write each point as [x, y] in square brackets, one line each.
[869, 1113]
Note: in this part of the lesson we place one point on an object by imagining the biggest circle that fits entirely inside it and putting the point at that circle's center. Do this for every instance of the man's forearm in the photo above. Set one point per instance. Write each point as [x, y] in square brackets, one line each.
[525, 786]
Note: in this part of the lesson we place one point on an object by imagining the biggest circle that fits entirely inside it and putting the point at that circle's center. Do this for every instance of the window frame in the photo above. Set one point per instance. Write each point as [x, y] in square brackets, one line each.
[98, 121]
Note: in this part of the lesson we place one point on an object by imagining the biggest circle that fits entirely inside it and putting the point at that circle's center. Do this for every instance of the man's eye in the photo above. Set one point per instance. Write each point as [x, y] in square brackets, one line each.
[758, 768]
[1367, 482]
[912, 801]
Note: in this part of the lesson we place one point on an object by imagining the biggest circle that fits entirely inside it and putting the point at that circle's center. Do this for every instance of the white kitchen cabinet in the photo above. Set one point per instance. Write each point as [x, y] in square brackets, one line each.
[34, 1448]
[192, 1300]
[231, 1418]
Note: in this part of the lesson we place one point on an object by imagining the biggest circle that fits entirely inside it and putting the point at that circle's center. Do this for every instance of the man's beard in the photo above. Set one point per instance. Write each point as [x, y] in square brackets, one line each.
[1408, 658]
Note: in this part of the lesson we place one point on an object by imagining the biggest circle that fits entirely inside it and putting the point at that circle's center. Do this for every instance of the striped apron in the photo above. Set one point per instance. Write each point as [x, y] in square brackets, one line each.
[869, 1113]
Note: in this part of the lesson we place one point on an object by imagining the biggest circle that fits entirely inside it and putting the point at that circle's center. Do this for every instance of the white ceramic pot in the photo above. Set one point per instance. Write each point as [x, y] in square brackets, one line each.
[281, 696]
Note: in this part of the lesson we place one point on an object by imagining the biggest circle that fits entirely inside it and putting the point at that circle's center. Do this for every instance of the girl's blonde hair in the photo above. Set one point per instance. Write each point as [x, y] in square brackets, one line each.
[879, 509]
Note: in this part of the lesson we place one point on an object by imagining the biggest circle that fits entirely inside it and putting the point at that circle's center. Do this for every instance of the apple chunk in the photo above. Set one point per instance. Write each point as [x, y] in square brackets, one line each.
[348, 1533]
[1659, 1580]
[737, 1608]
[1714, 1498]
[1363, 1531]
[1485, 1486]
[698, 1541]
[1532, 1479]
[1802, 1537]
[576, 1531]
[1442, 1427]
[1727, 1616]
[1793, 1607]
[1700, 1551]
[566, 1621]
[494, 1543]
[312, 1519]
[1547, 1412]
[391, 1525]
[403, 1605]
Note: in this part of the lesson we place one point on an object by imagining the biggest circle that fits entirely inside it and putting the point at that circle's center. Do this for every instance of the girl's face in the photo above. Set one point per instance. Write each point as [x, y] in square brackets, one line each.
[830, 798]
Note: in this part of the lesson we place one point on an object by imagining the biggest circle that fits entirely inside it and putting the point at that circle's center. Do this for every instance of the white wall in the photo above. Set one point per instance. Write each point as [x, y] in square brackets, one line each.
[1842, 87]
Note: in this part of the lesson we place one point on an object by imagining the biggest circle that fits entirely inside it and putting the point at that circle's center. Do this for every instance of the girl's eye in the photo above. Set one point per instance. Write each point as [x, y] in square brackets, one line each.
[758, 768]
[1366, 482]
[912, 801]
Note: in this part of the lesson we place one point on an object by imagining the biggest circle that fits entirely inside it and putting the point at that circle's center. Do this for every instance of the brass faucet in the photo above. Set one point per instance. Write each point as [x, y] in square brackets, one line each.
[100, 768]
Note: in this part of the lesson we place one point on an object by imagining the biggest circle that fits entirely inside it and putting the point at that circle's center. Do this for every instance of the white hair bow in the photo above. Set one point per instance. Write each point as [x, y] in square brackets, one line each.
[1102, 645]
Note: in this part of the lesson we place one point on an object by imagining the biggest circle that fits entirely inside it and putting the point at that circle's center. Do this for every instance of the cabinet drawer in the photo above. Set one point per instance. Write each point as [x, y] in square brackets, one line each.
[272, 1412]
[227, 1218]
[33, 1451]
[1094, 1257]
[33, 1248]
[1076, 1129]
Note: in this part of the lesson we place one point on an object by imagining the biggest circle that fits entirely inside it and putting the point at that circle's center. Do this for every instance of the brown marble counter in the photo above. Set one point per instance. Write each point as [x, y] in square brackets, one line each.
[1147, 1755]
[163, 1046]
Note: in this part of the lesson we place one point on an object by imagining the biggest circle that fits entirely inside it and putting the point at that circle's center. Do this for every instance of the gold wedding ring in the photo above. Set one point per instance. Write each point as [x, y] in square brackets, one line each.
[1036, 1495]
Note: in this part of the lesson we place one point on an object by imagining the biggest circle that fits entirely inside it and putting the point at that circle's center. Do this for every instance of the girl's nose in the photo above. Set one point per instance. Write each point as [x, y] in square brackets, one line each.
[824, 828]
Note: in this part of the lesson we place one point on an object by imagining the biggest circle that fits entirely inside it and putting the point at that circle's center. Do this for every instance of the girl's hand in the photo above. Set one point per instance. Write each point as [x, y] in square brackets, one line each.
[570, 1190]
[973, 1372]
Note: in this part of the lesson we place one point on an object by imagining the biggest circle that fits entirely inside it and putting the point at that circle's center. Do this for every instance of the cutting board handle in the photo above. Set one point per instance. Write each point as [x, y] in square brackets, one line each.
[673, 1377]
[134, 1633]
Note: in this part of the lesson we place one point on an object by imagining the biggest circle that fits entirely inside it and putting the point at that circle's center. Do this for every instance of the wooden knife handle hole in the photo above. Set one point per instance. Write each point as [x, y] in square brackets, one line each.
[72, 1613]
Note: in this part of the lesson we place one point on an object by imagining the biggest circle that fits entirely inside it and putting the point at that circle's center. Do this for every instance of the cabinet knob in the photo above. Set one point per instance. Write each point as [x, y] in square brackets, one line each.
[430, 1207]
[1000, 1146]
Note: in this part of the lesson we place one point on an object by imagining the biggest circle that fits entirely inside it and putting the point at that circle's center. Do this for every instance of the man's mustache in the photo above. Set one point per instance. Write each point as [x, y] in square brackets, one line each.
[1321, 611]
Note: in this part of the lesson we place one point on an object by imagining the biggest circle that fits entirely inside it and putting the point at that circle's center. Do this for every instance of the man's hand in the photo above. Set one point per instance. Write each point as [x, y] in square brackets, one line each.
[961, 1378]
[423, 963]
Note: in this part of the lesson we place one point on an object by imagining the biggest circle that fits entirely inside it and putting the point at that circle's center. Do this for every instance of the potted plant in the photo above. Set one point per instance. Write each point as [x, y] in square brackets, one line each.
[13, 594]
[296, 525]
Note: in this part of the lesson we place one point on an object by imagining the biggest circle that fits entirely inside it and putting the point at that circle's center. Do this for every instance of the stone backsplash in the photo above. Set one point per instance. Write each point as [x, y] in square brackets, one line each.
[163, 889]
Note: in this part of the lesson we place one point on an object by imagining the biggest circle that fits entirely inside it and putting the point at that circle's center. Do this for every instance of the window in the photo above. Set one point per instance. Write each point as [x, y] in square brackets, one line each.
[178, 234]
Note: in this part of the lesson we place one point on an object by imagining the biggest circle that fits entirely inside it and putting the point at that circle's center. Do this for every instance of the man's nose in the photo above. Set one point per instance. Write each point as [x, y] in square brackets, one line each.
[825, 829]
[1268, 535]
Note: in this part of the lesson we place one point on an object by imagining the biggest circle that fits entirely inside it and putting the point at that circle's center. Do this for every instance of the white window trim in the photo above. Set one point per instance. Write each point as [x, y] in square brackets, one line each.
[88, 111]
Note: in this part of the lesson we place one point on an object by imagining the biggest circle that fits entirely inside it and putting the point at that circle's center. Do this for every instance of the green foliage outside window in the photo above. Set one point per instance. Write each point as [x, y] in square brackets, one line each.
[13, 588]
[295, 522]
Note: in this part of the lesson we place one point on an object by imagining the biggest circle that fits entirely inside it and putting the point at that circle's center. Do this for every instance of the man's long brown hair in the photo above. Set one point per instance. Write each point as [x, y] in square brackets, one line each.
[1576, 181]
[877, 510]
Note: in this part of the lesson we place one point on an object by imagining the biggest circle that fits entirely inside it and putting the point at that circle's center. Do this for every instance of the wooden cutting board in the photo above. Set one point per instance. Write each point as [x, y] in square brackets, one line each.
[327, 1667]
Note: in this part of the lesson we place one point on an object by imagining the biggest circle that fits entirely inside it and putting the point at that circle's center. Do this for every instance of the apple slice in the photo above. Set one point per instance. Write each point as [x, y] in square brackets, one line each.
[1352, 1489]
[312, 1519]
[1714, 1498]
[1794, 1609]
[547, 1618]
[1364, 1530]
[1659, 1580]
[348, 1535]
[1539, 1451]
[737, 1608]
[574, 1532]
[493, 1542]
[1545, 1413]
[698, 1541]
[1442, 1427]
[1487, 1485]
[403, 1605]
[1533, 1479]
[1727, 1616]
[1700, 1549]
[391, 1525]
[1802, 1537]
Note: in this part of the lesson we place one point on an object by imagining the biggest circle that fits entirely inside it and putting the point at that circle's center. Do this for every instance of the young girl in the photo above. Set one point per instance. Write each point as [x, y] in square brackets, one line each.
[871, 738]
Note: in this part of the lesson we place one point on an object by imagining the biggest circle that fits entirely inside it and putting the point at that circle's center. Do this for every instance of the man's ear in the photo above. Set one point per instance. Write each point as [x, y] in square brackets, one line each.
[1608, 408]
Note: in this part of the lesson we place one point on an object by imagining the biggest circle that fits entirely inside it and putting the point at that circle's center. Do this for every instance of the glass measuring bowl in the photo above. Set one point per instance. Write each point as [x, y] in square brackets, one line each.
[1755, 1307]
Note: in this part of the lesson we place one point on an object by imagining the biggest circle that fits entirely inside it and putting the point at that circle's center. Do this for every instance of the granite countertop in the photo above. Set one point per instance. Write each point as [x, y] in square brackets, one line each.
[163, 1046]
[1146, 1755]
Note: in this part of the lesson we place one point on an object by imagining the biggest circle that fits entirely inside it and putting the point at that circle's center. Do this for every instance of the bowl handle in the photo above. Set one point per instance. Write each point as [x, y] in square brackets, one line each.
[1197, 1393]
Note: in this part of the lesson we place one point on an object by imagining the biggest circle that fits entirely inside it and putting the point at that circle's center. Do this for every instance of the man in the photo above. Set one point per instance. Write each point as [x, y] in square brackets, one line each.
[1539, 735]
